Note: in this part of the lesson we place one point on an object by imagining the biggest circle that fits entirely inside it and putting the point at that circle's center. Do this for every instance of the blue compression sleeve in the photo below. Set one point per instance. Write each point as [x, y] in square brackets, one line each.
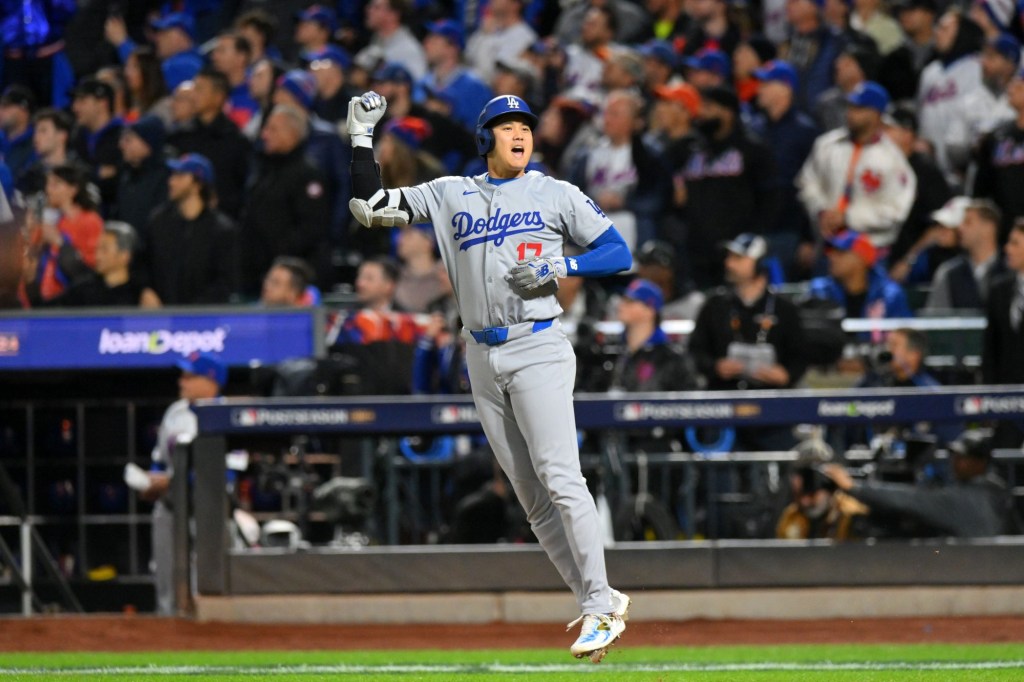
[608, 254]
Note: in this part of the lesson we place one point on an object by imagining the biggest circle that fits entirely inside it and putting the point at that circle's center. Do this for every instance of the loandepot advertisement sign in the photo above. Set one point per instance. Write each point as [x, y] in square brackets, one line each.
[133, 341]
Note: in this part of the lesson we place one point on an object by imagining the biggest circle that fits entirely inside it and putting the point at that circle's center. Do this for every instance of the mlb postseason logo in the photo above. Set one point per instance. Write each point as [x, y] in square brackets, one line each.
[455, 414]
[982, 405]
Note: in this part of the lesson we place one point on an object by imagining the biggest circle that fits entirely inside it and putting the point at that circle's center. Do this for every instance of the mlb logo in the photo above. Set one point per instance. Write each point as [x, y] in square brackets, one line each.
[971, 406]
[630, 412]
[246, 417]
[447, 415]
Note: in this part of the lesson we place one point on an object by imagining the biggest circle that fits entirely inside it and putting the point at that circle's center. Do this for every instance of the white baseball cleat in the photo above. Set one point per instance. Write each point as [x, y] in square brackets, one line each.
[599, 631]
[620, 604]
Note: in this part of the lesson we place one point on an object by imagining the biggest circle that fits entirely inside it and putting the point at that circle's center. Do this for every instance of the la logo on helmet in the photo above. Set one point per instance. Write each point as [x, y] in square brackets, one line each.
[512, 102]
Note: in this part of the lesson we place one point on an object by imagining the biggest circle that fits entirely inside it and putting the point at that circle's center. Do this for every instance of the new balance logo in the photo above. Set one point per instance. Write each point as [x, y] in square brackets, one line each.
[512, 102]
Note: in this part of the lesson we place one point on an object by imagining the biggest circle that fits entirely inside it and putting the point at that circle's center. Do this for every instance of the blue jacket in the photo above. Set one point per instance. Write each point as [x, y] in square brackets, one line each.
[34, 23]
[790, 140]
[885, 299]
[467, 92]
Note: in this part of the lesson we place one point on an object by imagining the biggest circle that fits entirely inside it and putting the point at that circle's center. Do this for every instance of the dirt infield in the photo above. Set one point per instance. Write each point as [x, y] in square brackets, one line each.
[143, 633]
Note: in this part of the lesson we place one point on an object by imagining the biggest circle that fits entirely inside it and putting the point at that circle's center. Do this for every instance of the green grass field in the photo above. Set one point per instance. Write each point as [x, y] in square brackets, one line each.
[853, 663]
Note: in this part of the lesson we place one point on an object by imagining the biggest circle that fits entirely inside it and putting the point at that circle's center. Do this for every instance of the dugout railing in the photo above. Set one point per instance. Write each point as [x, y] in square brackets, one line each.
[220, 569]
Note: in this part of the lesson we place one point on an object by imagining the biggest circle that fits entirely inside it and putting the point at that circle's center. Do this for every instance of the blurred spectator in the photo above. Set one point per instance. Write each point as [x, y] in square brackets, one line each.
[789, 134]
[812, 49]
[932, 194]
[1002, 360]
[191, 255]
[938, 243]
[660, 61]
[584, 62]
[707, 69]
[392, 40]
[232, 56]
[97, 142]
[114, 77]
[443, 46]
[314, 28]
[50, 136]
[423, 283]
[656, 262]
[901, 69]
[212, 134]
[855, 65]
[999, 161]
[147, 92]
[332, 91]
[377, 319]
[287, 213]
[624, 70]
[856, 282]
[286, 282]
[648, 361]
[977, 504]
[871, 18]
[511, 77]
[450, 142]
[16, 106]
[111, 284]
[502, 34]
[183, 106]
[62, 239]
[142, 180]
[262, 77]
[670, 19]
[724, 187]
[749, 337]
[749, 56]
[557, 133]
[856, 178]
[258, 27]
[32, 35]
[946, 83]
[904, 367]
[174, 35]
[987, 107]
[632, 23]
[403, 162]
[324, 148]
[818, 510]
[995, 16]
[711, 28]
[671, 120]
[964, 282]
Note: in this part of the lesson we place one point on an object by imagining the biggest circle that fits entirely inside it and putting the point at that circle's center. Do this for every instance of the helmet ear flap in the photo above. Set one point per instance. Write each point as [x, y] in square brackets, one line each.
[484, 140]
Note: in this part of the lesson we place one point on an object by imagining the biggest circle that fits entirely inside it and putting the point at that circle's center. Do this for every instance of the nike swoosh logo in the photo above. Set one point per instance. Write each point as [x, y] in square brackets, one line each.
[475, 191]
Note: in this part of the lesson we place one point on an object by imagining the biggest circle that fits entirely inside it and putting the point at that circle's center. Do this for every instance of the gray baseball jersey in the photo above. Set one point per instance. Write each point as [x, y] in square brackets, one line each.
[483, 229]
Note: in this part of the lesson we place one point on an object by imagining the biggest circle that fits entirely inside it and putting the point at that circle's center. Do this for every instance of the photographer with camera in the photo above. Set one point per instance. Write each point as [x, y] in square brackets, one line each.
[818, 509]
[977, 504]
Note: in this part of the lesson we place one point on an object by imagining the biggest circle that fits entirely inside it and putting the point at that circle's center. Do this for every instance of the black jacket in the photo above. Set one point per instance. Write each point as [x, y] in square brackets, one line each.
[101, 150]
[1002, 359]
[140, 191]
[287, 215]
[227, 149]
[1000, 172]
[714, 331]
[655, 366]
[191, 261]
[93, 292]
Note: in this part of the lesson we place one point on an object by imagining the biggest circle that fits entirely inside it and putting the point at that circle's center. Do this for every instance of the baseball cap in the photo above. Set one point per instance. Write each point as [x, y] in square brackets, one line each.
[448, 29]
[205, 365]
[902, 5]
[332, 54]
[1006, 45]
[324, 16]
[722, 95]
[748, 245]
[952, 212]
[1001, 12]
[196, 165]
[709, 60]
[646, 292]
[683, 93]
[660, 50]
[151, 129]
[433, 91]
[19, 96]
[656, 252]
[848, 240]
[902, 116]
[299, 84]
[411, 130]
[778, 70]
[393, 72]
[93, 87]
[974, 443]
[178, 20]
[869, 95]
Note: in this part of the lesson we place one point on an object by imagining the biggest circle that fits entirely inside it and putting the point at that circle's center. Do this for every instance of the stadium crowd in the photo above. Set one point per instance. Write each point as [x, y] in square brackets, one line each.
[193, 152]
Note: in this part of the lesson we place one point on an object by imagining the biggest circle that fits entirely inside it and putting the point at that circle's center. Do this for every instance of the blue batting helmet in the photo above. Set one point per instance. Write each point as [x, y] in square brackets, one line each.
[499, 106]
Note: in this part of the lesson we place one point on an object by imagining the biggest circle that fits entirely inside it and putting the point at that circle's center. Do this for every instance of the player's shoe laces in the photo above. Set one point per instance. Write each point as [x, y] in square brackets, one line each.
[600, 630]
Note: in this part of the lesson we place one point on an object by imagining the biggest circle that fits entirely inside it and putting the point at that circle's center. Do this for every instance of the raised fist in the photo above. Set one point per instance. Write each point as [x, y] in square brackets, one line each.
[364, 113]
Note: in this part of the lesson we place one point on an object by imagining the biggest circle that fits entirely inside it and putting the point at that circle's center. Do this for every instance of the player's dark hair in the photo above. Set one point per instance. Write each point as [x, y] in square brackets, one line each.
[917, 341]
[300, 272]
[218, 80]
[60, 119]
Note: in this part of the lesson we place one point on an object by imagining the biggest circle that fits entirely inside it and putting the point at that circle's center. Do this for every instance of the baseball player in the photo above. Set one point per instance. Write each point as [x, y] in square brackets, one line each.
[501, 236]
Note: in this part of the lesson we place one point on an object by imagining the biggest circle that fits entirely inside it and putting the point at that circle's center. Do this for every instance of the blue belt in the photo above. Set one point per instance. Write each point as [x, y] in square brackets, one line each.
[494, 336]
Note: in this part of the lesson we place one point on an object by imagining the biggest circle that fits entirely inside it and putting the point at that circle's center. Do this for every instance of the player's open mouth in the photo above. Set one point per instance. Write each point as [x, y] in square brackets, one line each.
[518, 151]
